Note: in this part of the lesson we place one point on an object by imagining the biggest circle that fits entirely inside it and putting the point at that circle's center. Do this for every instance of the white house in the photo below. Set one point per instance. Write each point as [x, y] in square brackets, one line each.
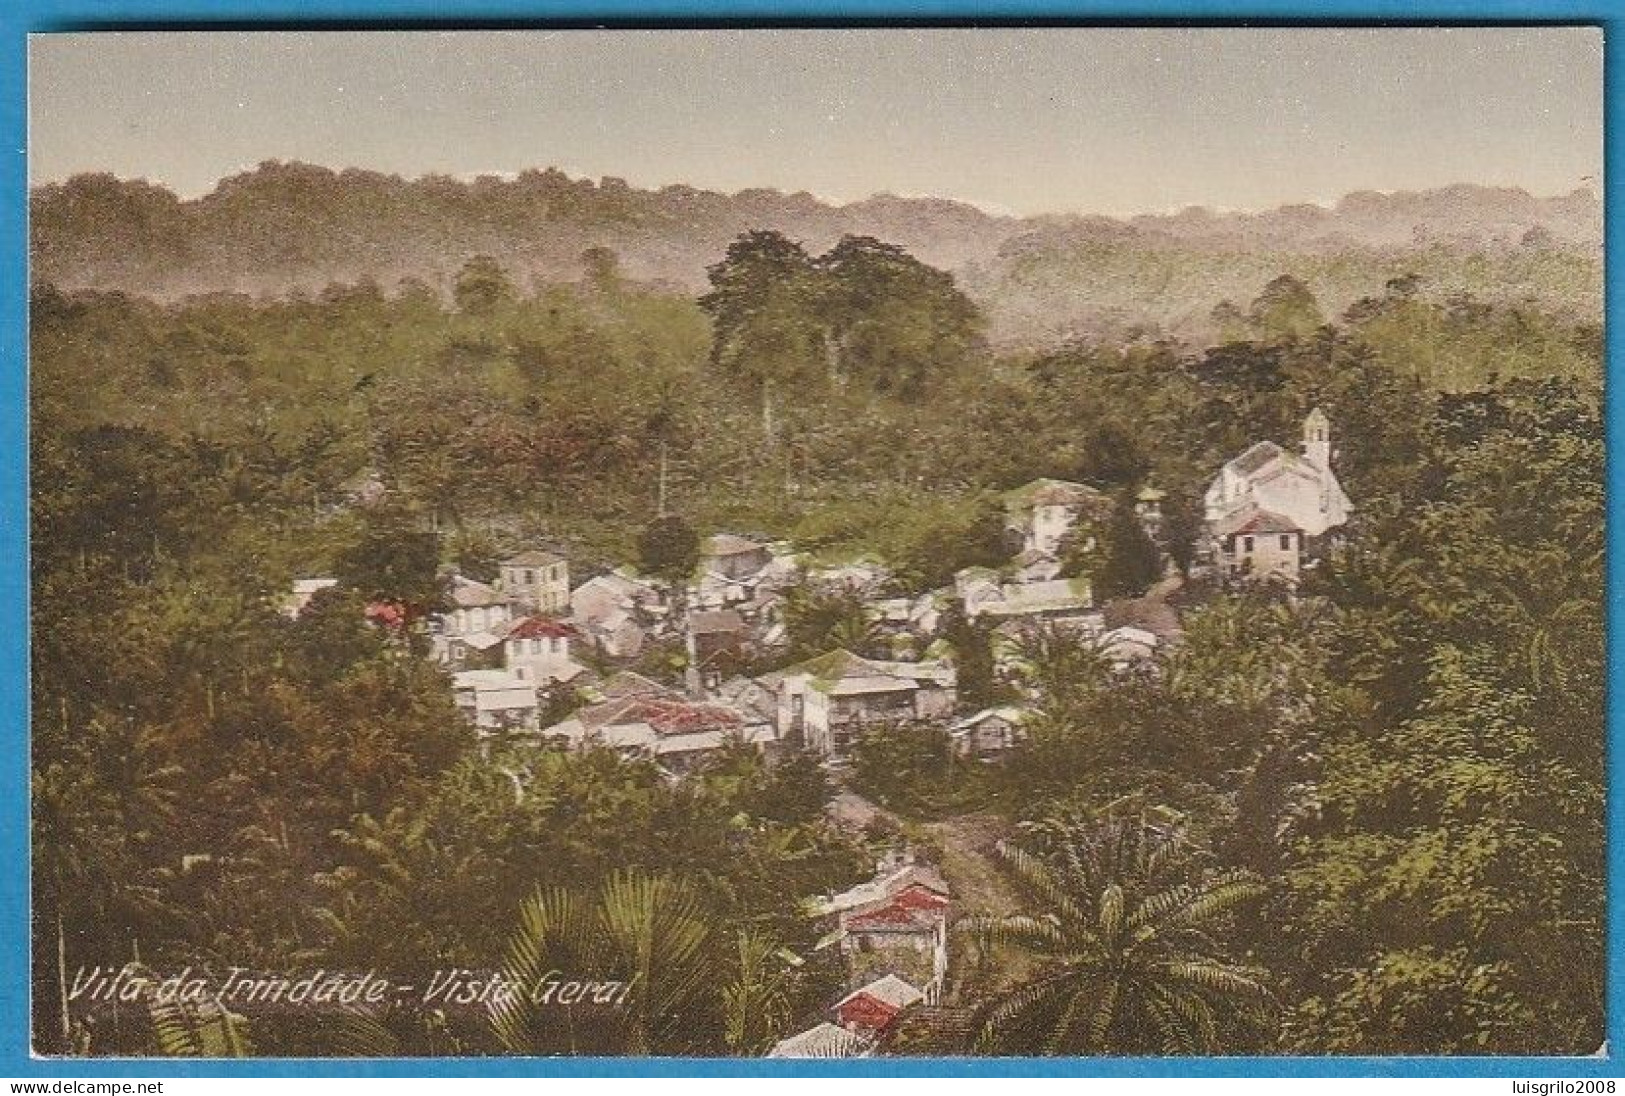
[1045, 510]
[733, 556]
[537, 580]
[1056, 600]
[1253, 543]
[495, 699]
[537, 650]
[475, 607]
[478, 618]
[826, 1040]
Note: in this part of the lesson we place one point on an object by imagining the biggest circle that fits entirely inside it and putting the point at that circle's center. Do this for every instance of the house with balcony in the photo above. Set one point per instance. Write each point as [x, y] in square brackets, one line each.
[826, 702]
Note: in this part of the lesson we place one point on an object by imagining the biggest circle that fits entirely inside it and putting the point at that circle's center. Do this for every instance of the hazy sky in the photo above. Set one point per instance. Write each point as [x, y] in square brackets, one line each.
[1109, 121]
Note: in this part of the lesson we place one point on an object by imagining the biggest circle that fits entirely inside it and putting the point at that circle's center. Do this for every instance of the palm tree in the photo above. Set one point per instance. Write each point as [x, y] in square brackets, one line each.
[691, 986]
[1060, 666]
[651, 933]
[756, 1002]
[1129, 961]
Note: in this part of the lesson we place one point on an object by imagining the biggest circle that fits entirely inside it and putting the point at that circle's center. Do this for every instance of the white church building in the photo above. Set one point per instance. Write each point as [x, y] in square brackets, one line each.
[1269, 509]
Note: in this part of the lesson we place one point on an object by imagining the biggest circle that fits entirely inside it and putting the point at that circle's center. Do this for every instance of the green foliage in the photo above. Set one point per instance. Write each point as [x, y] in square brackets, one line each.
[913, 769]
[866, 311]
[206, 1029]
[976, 683]
[481, 286]
[1128, 562]
[1125, 921]
[818, 620]
[650, 935]
[1286, 309]
[669, 549]
[684, 983]
[394, 560]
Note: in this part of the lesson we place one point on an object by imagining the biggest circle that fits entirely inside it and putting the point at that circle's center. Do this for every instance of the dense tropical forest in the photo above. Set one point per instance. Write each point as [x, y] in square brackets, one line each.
[1383, 794]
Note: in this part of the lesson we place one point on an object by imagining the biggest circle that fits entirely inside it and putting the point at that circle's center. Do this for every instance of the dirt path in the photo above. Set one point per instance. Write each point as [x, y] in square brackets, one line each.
[980, 884]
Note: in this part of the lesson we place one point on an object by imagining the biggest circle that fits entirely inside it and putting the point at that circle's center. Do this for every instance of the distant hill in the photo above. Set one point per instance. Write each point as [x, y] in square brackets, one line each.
[288, 226]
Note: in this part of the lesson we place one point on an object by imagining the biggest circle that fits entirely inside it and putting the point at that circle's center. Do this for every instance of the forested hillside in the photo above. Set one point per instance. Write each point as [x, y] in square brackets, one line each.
[285, 226]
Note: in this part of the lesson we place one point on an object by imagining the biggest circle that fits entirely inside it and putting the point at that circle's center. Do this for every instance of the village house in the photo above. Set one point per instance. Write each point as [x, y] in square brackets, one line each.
[664, 725]
[495, 700]
[872, 1008]
[989, 734]
[627, 683]
[617, 612]
[537, 649]
[1061, 599]
[478, 618]
[538, 581]
[1129, 646]
[1256, 544]
[825, 1040]
[1034, 565]
[733, 557]
[754, 697]
[1137, 631]
[863, 577]
[896, 923]
[907, 624]
[1269, 511]
[827, 701]
[1045, 510]
[976, 587]
[717, 644]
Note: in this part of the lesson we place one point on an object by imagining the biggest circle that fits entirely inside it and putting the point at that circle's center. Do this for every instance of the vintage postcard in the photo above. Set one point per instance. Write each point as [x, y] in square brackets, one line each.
[782, 544]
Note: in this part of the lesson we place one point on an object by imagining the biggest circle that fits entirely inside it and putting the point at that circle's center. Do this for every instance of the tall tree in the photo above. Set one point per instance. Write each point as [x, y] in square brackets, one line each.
[891, 320]
[764, 306]
[1128, 560]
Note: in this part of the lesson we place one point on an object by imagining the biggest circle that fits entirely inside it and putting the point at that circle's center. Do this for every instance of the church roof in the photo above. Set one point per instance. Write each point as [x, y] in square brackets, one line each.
[1256, 458]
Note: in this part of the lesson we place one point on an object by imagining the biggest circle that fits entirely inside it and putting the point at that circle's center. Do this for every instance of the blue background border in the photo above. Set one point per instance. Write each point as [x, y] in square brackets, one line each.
[18, 18]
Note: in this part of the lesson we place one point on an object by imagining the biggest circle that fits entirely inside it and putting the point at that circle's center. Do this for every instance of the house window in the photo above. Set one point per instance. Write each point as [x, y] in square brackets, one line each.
[530, 578]
[1286, 542]
[1246, 544]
